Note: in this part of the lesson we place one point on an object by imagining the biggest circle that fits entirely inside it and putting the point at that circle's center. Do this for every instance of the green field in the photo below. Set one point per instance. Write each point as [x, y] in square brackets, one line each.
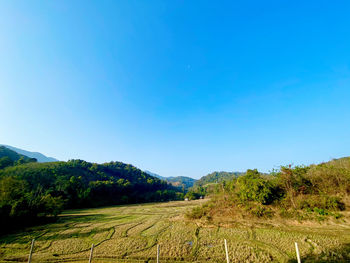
[130, 234]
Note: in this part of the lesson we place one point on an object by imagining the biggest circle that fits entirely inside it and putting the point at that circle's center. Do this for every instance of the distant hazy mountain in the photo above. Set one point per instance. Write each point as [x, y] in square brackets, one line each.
[12, 155]
[155, 175]
[39, 156]
[178, 181]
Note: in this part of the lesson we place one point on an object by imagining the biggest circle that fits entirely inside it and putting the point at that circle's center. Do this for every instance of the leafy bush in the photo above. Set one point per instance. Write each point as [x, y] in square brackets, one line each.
[325, 202]
[321, 211]
[196, 213]
[331, 178]
[200, 211]
[253, 187]
[192, 195]
[259, 211]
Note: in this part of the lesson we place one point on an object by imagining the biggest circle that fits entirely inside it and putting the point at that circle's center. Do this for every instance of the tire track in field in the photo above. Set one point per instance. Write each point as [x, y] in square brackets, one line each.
[107, 239]
[269, 248]
[148, 227]
[195, 248]
[152, 244]
[152, 239]
[125, 233]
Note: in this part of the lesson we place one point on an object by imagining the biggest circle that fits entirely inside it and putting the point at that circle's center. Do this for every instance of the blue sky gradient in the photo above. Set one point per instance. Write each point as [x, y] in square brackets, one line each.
[177, 87]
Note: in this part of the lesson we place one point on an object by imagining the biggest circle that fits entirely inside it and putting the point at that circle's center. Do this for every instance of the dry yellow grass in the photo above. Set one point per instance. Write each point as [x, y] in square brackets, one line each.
[131, 233]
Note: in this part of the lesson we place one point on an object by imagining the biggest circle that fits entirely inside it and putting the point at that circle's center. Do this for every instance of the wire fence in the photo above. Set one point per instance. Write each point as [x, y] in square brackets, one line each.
[157, 256]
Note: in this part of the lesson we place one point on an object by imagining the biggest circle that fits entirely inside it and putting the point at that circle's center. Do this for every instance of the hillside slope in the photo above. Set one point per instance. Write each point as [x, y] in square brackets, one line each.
[12, 155]
[41, 158]
[177, 181]
[31, 190]
[315, 192]
[216, 177]
[10, 158]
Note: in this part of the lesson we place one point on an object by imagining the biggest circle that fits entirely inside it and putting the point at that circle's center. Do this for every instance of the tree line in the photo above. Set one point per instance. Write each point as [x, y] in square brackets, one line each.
[31, 191]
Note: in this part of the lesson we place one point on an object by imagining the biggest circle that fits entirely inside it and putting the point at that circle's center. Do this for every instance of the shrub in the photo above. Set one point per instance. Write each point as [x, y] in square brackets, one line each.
[192, 195]
[332, 177]
[200, 211]
[259, 211]
[286, 213]
[196, 213]
[332, 203]
[253, 187]
[321, 211]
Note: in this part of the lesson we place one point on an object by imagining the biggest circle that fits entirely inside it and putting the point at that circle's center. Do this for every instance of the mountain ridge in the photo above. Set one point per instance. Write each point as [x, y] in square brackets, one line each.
[12, 155]
[216, 177]
[41, 158]
[178, 181]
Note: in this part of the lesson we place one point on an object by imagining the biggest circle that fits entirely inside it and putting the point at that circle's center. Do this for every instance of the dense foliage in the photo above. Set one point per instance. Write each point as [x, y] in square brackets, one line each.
[35, 155]
[303, 192]
[33, 190]
[253, 187]
[10, 158]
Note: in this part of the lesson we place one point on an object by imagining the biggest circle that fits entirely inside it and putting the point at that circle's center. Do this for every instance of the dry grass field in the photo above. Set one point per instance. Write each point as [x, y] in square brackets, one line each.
[130, 234]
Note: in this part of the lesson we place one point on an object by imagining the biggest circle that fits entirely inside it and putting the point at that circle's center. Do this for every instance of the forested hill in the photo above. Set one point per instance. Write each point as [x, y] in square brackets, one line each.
[181, 181]
[41, 158]
[177, 181]
[12, 155]
[9, 158]
[36, 189]
[217, 177]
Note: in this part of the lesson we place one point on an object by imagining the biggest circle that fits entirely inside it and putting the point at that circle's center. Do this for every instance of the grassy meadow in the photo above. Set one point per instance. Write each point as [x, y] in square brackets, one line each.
[130, 233]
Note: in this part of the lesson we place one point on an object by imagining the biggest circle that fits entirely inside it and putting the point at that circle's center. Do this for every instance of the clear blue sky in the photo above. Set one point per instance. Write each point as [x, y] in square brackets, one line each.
[177, 87]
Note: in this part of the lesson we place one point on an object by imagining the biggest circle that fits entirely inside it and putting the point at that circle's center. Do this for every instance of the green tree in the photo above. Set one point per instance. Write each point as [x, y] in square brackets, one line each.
[253, 187]
[5, 162]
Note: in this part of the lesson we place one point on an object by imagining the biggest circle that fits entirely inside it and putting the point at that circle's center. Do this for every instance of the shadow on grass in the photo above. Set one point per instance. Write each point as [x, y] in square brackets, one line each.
[337, 254]
[83, 218]
[38, 228]
[13, 226]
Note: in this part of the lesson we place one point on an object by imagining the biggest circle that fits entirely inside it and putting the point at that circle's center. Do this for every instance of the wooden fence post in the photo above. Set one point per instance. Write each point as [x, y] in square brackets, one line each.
[31, 251]
[297, 250]
[91, 253]
[226, 250]
[157, 253]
